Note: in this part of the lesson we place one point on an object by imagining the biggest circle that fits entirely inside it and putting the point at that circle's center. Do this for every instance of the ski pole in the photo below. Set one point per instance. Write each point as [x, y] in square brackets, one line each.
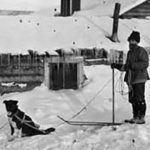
[113, 96]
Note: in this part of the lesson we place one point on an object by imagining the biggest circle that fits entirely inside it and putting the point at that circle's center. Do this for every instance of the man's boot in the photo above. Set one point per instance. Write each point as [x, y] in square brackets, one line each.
[141, 113]
[132, 120]
[140, 120]
[135, 114]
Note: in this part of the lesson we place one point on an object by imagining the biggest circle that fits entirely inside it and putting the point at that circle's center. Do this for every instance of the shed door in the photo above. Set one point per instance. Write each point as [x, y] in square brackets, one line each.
[56, 76]
[71, 76]
[63, 76]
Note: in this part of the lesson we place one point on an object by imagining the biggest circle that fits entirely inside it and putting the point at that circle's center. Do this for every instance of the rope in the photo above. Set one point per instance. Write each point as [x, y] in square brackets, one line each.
[91, 100]
[120, 85]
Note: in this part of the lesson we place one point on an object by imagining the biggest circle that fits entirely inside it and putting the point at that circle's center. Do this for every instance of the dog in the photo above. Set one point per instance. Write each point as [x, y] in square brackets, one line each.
[22, 125]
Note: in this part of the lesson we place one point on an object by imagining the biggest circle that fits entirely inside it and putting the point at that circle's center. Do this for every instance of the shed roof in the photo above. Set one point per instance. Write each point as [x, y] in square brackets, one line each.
[131, 5]
[107, 8]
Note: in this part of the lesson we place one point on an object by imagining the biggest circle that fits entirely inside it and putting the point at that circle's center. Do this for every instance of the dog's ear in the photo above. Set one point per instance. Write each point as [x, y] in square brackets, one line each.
[5, 101]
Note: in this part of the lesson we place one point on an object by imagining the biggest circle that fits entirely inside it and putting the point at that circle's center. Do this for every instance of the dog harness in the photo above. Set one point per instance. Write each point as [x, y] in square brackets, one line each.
[26, 122]
[23, 121]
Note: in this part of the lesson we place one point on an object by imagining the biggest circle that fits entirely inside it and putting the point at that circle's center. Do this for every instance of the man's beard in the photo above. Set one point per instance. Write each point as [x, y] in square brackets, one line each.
[132, 46]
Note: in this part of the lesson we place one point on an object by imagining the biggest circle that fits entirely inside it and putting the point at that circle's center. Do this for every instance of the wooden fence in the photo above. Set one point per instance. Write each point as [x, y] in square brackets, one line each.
[30, 67]
[23, 68]
[20, 60]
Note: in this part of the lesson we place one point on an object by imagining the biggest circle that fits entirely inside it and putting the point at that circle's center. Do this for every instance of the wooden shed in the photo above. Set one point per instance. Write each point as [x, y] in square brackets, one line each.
[63, 72]
[139, 9]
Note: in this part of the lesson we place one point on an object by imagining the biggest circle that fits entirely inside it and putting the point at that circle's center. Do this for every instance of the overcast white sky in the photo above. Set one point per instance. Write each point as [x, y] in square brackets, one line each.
[27, 4]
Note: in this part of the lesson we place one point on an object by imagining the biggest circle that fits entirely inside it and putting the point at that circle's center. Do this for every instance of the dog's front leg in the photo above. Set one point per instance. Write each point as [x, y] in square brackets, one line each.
[12, 129]
[11, 137]
[16, 132]
[11, 125]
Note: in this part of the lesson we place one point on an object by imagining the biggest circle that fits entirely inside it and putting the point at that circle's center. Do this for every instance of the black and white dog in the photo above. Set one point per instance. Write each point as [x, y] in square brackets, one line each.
[21, 124]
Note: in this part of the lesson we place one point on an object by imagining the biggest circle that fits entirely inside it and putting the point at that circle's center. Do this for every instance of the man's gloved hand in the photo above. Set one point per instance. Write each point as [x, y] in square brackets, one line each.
[113, 65]
[117, 66]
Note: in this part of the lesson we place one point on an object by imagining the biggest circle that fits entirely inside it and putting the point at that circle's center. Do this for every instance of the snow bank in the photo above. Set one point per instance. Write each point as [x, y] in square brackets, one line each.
[43, 105]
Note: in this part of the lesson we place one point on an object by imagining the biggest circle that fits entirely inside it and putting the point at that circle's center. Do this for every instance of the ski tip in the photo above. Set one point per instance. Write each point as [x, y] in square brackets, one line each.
[60, 117]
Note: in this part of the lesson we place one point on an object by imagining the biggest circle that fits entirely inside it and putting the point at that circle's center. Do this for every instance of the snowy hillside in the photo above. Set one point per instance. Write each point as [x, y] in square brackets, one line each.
[87, 28]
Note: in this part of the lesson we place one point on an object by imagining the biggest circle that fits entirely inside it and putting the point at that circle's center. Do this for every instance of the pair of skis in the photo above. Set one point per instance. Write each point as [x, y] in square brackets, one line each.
[89, 123]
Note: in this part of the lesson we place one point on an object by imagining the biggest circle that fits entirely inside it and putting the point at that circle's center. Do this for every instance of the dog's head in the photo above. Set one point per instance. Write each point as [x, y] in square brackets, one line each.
[11, 106]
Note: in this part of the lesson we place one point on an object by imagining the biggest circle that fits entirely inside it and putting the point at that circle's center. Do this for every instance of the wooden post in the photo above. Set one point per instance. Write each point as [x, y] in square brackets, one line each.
[114, 36]
[1, 59]
[64, 73]
[71, 7]
[19, 61]
[9, 59]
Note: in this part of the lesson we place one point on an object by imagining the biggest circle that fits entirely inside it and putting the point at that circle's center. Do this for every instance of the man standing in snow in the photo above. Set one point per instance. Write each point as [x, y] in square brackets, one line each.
[136, 77]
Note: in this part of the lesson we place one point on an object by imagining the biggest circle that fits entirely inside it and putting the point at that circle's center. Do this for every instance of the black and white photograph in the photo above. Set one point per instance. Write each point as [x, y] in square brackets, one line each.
[74, 75]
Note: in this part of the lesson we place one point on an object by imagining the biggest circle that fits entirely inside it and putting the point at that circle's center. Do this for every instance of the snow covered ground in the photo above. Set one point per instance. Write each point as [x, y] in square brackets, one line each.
[44, 105]
[42, 32]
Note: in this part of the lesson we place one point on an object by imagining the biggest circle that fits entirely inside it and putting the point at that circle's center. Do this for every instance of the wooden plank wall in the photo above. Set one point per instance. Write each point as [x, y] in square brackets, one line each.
[21, 68]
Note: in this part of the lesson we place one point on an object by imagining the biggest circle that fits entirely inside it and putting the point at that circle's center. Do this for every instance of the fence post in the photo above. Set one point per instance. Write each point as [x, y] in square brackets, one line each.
[9, 59]
[19, 61]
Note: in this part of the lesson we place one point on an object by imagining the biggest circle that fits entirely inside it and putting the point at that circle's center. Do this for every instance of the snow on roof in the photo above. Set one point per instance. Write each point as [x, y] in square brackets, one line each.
[106, 8]
[41, 33]
[131, 5]
[85, 29]
[27, 4]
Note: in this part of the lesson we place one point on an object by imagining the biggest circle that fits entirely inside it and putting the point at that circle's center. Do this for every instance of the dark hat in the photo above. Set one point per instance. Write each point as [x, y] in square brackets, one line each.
[10, 102]
[134, 36]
